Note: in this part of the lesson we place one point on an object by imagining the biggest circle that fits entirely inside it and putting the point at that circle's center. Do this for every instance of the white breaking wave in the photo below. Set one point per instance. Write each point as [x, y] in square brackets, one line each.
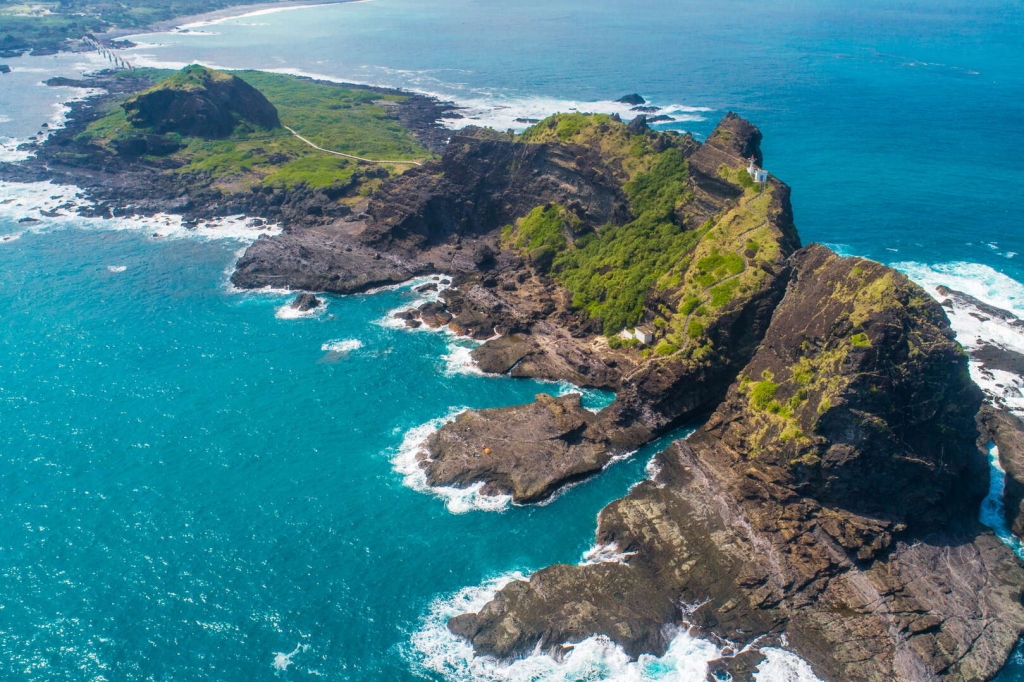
[993, 288]
[435, 649]
[40, 206]
[605, 554]
[342, 346]
[287, 312]
[254, 13]
[282, 660]
[13, 150]
[117, 268]
[405, 461]
[459, 358]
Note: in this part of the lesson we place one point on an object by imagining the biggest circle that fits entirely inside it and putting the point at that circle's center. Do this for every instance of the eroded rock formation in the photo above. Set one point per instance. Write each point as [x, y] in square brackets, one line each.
[833, 496]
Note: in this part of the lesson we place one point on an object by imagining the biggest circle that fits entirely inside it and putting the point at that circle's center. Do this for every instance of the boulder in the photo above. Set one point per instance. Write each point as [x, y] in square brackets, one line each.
[305, 302]
[632, 99]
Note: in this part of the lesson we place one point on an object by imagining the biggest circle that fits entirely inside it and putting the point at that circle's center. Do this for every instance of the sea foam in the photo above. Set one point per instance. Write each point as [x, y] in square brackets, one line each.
[405, 461]
[434, 649]
[991, 287]
[342, 346]
[45, 206]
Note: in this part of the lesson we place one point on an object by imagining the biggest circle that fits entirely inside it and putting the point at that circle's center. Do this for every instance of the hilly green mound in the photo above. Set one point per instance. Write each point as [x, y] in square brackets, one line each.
[201, 102]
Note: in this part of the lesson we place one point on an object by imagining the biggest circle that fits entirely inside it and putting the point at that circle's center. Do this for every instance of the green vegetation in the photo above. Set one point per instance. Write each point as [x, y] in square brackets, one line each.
[543, 234]
[614, 273]
[611, 272]
[349, 120]
[861, 340]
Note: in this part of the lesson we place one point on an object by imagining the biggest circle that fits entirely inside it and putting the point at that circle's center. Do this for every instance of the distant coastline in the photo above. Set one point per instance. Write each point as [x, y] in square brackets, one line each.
[232, 12]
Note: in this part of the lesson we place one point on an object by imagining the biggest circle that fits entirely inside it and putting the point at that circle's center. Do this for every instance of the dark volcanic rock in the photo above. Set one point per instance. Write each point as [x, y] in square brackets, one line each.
[318, 259]
[305, 302]
[825, 499]
[632, 99]
[528, 451]
[1007, 432]
[200, 102]
[553, 357]
[4, 68]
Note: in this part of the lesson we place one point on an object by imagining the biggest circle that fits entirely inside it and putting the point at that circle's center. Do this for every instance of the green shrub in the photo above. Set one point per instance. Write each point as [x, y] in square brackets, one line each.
[695, 329]
[665, 348]
[762, 395]
[861, 340]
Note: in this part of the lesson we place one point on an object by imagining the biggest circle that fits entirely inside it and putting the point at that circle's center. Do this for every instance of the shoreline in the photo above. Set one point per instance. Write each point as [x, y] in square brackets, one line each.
[232, 12]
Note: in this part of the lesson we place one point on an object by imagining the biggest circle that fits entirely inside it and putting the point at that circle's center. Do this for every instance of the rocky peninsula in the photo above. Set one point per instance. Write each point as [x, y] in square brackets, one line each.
[830, 498]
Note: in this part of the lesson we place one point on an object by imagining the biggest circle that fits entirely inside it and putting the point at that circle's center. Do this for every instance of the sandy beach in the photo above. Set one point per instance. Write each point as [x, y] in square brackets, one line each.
[218, 15]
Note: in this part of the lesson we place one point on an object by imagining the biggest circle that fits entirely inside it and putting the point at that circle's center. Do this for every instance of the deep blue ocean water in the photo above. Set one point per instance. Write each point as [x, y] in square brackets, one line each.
[198, 489]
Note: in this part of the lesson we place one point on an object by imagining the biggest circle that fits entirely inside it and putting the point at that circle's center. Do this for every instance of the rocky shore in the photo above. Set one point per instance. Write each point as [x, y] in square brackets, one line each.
[831, 498]
[124, 184]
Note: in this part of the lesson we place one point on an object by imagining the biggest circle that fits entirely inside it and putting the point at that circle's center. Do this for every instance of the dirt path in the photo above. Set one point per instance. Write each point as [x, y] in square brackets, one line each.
[350, 156]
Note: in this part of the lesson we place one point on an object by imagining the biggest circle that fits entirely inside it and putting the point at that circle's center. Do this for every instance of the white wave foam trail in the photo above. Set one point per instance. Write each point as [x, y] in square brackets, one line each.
[282, 660]
[975, 330]
[605, 554]
[342, 346]
[116, 268]
[518, 113]
[435, 649]
[459, 358]
[406, 462]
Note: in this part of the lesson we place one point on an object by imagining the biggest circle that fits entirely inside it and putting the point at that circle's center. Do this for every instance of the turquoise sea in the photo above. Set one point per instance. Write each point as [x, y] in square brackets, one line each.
[198, 489]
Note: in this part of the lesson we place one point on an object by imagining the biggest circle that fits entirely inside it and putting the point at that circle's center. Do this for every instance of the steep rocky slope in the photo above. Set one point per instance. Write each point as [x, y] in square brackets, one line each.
[832, 497]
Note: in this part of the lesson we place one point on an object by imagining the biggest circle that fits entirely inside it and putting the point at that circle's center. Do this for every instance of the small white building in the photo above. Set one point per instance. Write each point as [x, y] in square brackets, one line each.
[642, 334]
[761, 176]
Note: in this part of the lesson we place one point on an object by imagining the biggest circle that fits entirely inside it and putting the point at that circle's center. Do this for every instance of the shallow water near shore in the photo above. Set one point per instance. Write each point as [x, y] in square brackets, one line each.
[197, 488]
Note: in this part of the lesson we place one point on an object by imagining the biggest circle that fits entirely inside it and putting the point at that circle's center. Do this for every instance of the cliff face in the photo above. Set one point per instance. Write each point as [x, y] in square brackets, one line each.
[200, 102]
[710, 307]
[832, 496]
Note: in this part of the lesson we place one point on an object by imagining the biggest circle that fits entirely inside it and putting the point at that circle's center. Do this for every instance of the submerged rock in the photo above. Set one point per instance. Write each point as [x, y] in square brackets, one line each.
[824, 498]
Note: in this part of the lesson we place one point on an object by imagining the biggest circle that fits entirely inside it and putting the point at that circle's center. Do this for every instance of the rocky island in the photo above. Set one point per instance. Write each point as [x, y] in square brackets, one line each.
[830, 498]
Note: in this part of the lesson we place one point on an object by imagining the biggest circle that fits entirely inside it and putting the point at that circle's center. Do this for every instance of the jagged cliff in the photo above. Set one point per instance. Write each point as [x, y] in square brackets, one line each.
[557, 239]
[832, 496]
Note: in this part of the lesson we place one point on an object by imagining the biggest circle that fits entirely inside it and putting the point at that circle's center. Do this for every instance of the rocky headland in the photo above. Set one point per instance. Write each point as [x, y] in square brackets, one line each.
[830, 500]
[832, 496]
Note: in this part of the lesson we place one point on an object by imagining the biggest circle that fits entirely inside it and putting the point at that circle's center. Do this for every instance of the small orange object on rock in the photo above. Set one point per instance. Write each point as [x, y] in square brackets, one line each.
[487, 451]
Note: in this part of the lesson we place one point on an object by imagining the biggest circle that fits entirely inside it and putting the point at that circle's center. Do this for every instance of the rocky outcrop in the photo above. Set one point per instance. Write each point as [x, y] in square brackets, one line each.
[528, 451]
[306, 302]
[832, 497]
[1006, 431]
[200, 102]
[319, 259]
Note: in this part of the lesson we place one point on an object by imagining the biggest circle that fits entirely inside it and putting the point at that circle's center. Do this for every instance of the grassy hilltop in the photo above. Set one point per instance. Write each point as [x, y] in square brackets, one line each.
[348, 120]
